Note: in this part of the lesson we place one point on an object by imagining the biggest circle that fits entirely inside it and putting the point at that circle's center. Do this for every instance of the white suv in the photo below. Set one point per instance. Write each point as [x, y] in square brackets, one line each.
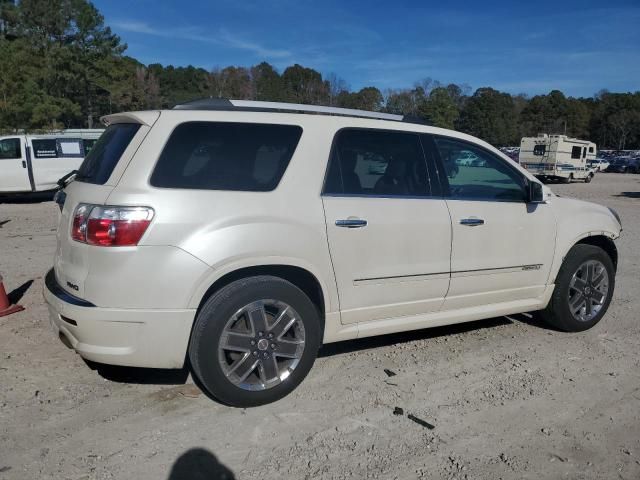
[243, 235]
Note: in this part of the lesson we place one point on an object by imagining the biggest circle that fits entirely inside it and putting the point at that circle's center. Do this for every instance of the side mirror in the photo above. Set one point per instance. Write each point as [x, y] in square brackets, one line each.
[535, 194]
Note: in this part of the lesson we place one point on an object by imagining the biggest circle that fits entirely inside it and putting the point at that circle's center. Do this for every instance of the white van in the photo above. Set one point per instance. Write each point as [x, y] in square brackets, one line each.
[35, 163]
[558, 157]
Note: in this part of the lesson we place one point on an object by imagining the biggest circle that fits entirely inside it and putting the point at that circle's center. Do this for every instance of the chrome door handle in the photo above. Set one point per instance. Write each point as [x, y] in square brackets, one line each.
[471, 222]
[351, 223]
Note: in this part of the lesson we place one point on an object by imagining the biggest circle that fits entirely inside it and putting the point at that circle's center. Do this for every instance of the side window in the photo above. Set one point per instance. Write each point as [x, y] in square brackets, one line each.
[377, 163]
[485, 177]
[69, 147]
[590, 149]
[539, 150]
[10, 148]
[584, 152]
[44, 148]
[226, 156]
[575, 152]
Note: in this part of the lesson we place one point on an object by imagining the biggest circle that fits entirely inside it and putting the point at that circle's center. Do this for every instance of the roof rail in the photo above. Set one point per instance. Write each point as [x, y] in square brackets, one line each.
[256, 106]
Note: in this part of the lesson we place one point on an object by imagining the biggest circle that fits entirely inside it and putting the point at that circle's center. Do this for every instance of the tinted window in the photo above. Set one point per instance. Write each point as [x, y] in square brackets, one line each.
[44, 148]
[88, 145]
[376, 162]
[487, 177]
[226, 156]
[105, 154]
[575, 152]
[10, 148]
[539, 150]
[590, 149]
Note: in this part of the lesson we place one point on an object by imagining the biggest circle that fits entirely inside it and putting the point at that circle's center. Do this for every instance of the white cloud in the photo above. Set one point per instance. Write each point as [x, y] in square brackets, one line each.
[222, 37]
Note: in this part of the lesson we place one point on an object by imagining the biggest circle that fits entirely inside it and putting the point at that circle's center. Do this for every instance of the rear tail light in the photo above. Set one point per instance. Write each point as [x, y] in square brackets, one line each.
[110, 226]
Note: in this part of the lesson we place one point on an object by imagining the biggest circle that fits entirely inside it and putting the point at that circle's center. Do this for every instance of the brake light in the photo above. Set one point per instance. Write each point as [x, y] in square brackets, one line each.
[110, 226]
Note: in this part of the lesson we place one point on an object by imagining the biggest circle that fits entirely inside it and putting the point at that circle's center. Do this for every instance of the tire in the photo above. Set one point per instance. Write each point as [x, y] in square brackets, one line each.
[588, 178]
[242, 316]
[568, 179]
[559, 313]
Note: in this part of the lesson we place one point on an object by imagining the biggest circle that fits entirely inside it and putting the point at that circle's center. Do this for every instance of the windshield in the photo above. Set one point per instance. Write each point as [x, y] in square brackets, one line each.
[105, 154]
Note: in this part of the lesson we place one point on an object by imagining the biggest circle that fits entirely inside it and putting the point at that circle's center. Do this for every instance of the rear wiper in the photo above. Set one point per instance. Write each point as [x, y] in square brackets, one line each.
[68, 178]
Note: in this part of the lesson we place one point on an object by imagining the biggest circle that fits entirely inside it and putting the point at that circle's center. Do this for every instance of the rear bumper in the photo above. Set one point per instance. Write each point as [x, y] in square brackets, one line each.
[130, 337]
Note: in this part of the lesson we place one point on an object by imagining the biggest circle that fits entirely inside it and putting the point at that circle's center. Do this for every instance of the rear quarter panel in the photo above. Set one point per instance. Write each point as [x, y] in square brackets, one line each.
[228, 230]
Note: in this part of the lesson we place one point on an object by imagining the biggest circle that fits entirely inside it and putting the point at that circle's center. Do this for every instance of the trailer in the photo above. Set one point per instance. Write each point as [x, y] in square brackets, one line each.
[35, 163]
[558, 157]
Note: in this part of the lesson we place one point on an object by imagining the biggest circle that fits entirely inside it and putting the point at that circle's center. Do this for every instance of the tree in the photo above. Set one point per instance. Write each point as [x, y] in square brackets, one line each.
[267, 83]
[304, 85]
[440, 108]
[490, 115]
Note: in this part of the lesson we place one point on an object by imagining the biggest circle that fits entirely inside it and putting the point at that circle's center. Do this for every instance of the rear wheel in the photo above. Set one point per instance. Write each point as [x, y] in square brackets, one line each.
[588, 178]
[583, 291]
[254, 341]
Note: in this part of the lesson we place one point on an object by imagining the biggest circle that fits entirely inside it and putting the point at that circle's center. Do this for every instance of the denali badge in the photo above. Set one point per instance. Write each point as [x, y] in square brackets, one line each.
[531, 267]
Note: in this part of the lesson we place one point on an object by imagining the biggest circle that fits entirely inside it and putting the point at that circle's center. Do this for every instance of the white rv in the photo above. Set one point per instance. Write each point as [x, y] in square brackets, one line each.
[558, 157]
[34, 163]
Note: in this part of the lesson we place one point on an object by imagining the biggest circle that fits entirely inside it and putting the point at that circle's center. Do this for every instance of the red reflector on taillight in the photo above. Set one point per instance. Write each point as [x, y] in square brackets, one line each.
[111, 226]
[115, 233]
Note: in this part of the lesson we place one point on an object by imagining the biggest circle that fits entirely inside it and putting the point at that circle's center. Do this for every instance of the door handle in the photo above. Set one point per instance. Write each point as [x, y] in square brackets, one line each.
[471, 222]
[24, 164]
[351, 223]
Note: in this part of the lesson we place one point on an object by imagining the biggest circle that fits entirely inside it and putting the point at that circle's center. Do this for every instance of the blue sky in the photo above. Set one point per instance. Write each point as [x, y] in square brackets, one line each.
[578, 47]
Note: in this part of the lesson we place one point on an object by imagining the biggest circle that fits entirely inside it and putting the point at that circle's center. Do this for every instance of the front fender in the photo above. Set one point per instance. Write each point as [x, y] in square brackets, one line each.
[576, 221]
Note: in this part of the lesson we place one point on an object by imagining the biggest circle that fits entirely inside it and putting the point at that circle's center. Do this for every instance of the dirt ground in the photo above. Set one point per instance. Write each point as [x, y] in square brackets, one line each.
[507, 397]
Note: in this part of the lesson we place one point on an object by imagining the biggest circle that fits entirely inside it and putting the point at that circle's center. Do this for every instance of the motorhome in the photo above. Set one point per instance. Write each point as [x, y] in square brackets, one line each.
[34, 163]
[558, 157]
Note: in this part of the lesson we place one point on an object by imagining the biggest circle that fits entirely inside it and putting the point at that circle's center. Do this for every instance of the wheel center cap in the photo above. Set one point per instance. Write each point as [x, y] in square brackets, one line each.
[587, 290]
[263, 344]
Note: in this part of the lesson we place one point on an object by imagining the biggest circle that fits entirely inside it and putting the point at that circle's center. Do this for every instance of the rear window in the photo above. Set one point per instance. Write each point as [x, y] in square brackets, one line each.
[98, 165]
[226, 156]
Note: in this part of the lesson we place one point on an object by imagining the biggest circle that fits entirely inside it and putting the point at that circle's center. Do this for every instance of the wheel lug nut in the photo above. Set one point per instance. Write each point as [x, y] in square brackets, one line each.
[261, 334]
[265, 355]
[253, 342]
[271, 335]
[273, 345]
[255, 353]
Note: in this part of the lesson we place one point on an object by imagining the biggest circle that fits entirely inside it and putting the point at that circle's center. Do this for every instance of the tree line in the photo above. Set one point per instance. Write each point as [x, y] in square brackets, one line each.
[62, 67]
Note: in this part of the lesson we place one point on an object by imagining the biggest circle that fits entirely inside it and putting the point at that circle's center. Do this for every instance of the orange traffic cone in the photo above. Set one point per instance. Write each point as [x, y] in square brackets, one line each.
[5, 305]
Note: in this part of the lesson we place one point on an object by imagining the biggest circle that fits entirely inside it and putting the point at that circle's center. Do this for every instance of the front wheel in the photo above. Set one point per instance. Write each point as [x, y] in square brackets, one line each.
[254, 341]
[588, 178]
[583, 291]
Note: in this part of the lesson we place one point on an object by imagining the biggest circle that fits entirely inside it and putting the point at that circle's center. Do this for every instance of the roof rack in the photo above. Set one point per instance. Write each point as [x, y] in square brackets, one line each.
[256, 106]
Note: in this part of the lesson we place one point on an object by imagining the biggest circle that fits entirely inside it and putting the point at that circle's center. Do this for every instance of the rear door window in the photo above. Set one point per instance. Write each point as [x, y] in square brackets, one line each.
[226, 156]
[377, 163]
[98, 165]
[10, 148]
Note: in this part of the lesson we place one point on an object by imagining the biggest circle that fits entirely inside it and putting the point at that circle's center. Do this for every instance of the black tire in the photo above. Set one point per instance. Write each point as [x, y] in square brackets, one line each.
[210, 324]
[558, 313]
[588, 178]
[568, 179]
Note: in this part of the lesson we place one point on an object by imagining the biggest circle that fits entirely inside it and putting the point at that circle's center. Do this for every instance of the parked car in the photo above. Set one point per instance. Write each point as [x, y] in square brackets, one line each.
[241, 236]
[598, 165]
[624, 165]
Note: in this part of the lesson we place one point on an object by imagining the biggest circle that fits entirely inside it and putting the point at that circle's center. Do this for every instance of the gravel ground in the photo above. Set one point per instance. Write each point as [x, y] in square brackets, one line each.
[507, 397]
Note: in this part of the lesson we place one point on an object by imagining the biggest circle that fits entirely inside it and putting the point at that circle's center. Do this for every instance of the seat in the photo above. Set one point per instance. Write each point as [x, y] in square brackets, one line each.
[394, 180]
